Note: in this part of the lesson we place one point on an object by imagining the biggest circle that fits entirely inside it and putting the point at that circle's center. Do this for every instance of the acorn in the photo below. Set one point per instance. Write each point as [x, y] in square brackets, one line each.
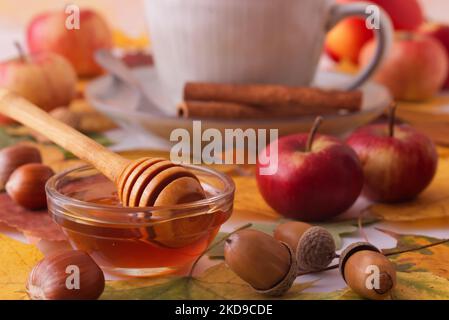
[314, 246]
[267, 265]
[26, 186]
[13, 157]
[67, 275]
[367, 271]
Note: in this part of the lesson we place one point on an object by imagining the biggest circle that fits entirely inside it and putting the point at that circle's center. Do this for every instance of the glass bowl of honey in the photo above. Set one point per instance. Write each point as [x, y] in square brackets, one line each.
[137, 241]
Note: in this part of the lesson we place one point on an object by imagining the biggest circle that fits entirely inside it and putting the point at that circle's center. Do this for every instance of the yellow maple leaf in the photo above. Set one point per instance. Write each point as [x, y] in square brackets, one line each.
[433, 259]
[248, 203]
[420, 286]
[217, 282]
[433, 203]
[17, 261]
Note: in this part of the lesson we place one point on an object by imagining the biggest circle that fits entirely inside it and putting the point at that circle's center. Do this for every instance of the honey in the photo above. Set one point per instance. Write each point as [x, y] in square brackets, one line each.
[168, 241]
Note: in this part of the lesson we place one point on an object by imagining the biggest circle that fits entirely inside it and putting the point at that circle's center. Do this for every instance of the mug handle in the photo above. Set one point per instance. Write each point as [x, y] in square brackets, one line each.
[384, 35]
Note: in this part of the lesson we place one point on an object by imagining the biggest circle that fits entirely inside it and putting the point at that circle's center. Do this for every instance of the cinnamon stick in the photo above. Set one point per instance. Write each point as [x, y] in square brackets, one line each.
[273, 96]
[233, 111]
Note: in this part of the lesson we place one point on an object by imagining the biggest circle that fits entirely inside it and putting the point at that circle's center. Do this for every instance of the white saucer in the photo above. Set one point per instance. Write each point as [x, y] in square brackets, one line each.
[119, 102]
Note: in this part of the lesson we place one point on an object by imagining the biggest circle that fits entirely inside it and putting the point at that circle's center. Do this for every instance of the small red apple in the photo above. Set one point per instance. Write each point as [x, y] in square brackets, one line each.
[317, 178]
[48, 33]
[345, 40]
[439, 32]
[46, 79]
[398, 161]
[414, 70]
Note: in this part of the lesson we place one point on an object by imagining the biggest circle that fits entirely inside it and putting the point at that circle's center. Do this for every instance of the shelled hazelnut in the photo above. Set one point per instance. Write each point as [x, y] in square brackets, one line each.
[67, 275]
[13, 157]
[367, 271]
[26, 186]
[266, 264]
[314, 246]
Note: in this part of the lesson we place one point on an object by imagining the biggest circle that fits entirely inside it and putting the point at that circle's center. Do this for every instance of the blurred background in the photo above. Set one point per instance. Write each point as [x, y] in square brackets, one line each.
[125, 17]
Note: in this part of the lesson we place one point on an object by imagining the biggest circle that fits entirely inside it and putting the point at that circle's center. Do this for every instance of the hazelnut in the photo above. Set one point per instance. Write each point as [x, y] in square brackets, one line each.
[314, 246]
[266, 264]
[67, 275]
[26, 186]
[360, 264]
[15, 156]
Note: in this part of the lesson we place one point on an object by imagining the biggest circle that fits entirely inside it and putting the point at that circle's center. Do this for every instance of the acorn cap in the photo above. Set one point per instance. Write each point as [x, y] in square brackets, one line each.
[315, 250]
[286, 283]
[350, 250]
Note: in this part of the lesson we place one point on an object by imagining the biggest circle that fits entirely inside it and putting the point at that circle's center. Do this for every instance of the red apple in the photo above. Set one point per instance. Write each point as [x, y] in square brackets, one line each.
[414, 70]
[346, 39]
[398, 164]
[48, 33]
[314, 181]
[439, 32]
[48, 80]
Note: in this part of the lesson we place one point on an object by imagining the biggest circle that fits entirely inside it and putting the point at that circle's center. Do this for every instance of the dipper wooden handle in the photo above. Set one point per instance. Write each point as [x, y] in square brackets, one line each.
[139, 183]
[23, 111]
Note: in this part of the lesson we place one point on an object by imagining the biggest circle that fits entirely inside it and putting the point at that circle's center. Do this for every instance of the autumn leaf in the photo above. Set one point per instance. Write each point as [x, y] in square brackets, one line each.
[433, 203]
[410, 286]
[7, 139]
[17, 260]
[38, 224]
[343, 294]
[248, 200]
[422, 274]
[216, 283]
[420, 286]
[430, 118]
[434, 259]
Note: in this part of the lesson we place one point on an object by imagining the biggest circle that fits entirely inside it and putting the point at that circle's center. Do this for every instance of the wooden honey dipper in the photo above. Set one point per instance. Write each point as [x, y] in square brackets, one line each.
[140, 183]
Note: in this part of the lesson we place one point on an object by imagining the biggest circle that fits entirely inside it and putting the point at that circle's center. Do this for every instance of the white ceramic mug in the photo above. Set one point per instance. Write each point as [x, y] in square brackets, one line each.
[248, 41]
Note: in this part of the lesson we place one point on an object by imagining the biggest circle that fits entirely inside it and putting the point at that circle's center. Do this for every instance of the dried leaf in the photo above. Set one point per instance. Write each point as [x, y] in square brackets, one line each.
[433, 203]
[95, 122]
[344, 294]
[17, 260]
[434, 259]
[7, 139]
[217, 282]
[422, 274]
[410, 286]
[420, 286]
[430, 117]
[35, 223]
[248, 200]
